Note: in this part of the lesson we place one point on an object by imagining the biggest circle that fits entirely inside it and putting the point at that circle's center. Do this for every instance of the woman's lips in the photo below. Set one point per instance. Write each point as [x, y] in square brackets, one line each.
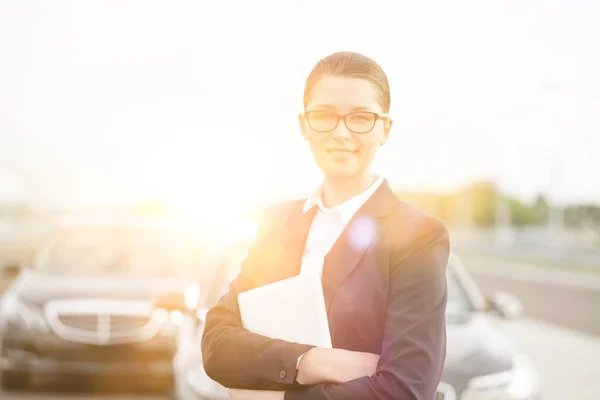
[341, 153]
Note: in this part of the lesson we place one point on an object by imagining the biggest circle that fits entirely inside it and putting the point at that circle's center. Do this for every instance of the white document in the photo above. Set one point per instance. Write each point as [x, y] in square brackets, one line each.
[292, 309]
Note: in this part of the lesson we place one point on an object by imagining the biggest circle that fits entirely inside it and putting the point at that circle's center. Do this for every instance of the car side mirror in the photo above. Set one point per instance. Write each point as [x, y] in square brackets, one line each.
[445, 392]
[10, 271]
[505, 305]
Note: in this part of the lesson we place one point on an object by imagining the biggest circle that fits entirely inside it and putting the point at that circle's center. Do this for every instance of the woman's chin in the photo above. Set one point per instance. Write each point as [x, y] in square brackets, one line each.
[334, 169]
[340, 173]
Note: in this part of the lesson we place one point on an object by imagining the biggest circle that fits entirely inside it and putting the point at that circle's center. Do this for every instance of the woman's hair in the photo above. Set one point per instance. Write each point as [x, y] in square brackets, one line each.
[351, 65]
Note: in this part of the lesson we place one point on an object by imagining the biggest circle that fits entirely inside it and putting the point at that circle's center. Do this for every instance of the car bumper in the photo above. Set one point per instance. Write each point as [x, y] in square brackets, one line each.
[22, 360]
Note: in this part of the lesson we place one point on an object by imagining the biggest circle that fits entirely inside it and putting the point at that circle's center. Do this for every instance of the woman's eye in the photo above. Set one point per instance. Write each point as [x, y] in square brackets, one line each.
[362, 117]
[322, 115]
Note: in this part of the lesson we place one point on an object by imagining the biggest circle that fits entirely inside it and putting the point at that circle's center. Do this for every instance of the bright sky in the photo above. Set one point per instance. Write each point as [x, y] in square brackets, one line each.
[113, 101]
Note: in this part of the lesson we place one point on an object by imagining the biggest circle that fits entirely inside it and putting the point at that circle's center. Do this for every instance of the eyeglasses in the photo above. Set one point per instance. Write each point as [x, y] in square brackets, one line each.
[356, 122]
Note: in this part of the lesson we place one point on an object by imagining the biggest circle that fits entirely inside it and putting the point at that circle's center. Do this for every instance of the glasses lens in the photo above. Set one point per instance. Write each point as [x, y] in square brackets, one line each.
[360, 122]
[322, 121]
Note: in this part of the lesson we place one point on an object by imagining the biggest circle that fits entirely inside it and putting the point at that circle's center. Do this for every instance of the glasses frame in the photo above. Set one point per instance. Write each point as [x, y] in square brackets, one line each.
[377, 117]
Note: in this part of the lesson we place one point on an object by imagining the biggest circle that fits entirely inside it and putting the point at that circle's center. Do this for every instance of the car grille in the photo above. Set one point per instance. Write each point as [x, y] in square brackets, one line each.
[118, 324]
[104, 328]
[101, 321]
[85, 322]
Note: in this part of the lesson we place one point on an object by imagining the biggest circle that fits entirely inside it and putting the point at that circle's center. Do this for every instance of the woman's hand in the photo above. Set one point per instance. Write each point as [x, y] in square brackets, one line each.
[241, 394]
[320, 365]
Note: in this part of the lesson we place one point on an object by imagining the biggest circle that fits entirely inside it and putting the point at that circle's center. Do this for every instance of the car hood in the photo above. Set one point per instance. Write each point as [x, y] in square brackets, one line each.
[37, 287]
[475, 347]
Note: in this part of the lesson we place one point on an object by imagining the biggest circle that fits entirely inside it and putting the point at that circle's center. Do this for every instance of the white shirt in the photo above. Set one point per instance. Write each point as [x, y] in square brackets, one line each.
[326, 228]
[328, 225]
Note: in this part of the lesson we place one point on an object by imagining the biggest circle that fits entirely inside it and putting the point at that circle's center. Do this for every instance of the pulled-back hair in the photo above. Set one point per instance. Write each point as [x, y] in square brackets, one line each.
[351, 65]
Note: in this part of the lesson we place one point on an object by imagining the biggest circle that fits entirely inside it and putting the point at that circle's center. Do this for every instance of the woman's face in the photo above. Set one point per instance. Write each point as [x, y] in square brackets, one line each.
[342, 153]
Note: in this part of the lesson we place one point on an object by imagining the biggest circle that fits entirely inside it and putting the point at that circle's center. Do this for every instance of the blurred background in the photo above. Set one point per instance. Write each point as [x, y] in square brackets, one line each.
[185, 112]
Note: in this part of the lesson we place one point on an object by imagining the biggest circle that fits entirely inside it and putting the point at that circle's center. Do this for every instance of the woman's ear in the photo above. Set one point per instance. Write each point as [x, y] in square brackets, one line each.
[302, 122]
[387, 127]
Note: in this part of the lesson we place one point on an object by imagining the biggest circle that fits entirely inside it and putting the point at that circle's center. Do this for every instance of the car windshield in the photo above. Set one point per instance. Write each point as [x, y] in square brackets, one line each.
[115, 250]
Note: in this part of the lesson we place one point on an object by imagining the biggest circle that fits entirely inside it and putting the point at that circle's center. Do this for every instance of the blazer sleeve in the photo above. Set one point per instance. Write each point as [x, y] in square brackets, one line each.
[414, 344]
[236, 357]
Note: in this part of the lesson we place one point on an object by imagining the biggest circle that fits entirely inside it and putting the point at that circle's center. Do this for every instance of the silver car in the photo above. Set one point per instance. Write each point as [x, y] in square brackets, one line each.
[90, 304]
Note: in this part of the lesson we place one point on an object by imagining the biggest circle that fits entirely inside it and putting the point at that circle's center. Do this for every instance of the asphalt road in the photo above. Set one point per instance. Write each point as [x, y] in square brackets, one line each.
[567, 360]
[568, 299]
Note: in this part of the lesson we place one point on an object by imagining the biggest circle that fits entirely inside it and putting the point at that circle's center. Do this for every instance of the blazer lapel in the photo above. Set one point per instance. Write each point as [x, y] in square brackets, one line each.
[360, 233]
[295, 233]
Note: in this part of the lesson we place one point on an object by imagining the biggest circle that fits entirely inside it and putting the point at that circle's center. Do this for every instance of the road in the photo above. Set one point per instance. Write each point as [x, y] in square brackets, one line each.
[562, 332]
[569, 299]
[567, 360]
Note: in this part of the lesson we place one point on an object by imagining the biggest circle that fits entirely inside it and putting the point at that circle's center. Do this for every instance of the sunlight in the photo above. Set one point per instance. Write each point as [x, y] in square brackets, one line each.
[208, 180]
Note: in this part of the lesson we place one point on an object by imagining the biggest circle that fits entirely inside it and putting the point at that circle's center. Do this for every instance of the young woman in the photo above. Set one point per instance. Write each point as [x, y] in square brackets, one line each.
[382, 264]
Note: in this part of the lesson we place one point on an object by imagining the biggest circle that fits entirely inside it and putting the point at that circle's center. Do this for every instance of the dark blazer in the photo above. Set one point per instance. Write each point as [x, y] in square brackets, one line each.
[384, 282]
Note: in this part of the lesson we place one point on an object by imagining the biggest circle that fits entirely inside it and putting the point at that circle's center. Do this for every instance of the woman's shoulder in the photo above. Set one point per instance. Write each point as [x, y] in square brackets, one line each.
[415, 233]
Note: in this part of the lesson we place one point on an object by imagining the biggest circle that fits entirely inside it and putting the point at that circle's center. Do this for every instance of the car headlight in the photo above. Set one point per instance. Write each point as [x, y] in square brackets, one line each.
[170, 321]
[24, 316]
[519, 383]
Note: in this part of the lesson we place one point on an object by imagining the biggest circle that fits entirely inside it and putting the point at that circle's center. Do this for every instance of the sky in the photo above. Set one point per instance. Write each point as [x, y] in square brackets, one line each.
[195, 102]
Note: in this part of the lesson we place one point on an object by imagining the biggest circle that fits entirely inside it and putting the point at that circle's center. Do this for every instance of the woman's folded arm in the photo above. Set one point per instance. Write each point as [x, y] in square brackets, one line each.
[236, 357]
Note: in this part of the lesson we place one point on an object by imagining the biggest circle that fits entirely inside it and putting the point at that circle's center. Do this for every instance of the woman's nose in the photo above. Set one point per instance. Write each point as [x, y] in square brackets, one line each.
[341, 131]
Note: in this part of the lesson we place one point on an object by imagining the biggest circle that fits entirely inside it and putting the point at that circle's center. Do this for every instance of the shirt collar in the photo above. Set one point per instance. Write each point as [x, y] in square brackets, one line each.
[348, 208]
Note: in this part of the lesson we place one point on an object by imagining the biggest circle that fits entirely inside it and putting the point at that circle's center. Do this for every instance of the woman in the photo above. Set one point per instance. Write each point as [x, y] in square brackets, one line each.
[382, 264]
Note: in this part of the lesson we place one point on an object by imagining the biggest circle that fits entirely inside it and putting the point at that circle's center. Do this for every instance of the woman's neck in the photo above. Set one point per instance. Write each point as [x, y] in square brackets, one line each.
[338, 190]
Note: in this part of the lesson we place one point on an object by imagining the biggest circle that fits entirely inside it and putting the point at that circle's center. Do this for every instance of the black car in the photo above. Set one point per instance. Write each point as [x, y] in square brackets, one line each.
[90, 302]
[481, 363]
